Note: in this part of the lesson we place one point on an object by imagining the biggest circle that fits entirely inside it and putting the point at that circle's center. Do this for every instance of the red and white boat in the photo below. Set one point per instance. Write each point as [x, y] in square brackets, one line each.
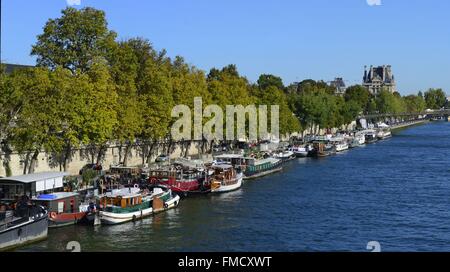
[63, 208]
[181, 179]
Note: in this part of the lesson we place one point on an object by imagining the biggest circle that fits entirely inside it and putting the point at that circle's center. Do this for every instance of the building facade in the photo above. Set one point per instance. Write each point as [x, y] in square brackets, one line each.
[378, 78]
[339, 85]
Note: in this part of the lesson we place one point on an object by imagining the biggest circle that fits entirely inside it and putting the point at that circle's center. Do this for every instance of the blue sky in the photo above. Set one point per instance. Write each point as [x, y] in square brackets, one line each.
[294, 39]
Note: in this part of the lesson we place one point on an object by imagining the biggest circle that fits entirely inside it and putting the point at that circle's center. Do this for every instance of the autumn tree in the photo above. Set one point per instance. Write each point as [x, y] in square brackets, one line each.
[124, 72]
[11, 104]
[155, 92]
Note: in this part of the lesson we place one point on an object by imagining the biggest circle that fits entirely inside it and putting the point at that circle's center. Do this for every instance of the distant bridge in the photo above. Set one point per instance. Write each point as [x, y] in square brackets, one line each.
[425, 114]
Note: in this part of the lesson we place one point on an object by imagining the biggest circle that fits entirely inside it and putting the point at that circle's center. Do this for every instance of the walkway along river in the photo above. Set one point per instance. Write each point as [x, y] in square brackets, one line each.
[396, 192]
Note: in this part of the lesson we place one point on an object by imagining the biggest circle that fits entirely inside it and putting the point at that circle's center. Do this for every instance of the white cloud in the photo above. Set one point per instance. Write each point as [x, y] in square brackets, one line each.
[374, 2]
[73, 2]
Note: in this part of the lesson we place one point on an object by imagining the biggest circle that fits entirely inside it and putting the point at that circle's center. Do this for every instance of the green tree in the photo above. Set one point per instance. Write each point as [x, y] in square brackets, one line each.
[188, 82]
[124, 72]
[288, 122]
[266, 81]
[156, 93]
[435, 98]
[101, 103]
[74, 40]
[414, 103]
[388, 102]
[315, 108]
[36, 126]
[420, 94]
[227, 87]
[372, 106]
[11, 103]
[310, 85]
[351, 112]
[358, 94]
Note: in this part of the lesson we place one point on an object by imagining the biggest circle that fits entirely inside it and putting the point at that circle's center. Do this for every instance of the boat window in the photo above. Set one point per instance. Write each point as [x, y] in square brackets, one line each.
[61, 207]
[72, 205]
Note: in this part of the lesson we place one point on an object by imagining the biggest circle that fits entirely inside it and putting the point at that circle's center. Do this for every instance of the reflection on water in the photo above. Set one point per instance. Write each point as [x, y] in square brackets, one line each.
[395, 192]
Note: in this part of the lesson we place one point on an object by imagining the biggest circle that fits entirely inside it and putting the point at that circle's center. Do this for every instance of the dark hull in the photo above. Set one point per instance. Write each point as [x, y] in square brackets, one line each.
[384, 138]
[286, 159]
[322, 154]
[89, 219]
[254, 175]
[302, 155]
[192, 193]
[24, 233]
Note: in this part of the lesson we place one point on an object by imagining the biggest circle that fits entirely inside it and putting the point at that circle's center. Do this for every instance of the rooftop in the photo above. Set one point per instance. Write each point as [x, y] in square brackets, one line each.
[9, 68]
[223, 166]
[55, 196]
[229, 156]
[124, 193]
[30, 178]
[268, 160]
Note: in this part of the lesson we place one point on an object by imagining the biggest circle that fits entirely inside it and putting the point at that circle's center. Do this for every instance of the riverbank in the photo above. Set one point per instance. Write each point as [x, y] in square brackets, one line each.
[81, 157]
[409, 124]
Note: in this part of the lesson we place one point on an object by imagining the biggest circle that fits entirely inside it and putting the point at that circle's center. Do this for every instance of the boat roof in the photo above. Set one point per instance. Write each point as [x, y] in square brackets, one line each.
[189, 163]
[365, 131]
[229, 156]
[383, 125]
[223, 166]
[124, 192]
[124, 167]
[55, 196]
[268, 160]
[30, 178]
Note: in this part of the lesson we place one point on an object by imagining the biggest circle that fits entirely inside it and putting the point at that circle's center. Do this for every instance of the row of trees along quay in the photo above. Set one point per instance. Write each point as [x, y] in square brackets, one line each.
[89, 89]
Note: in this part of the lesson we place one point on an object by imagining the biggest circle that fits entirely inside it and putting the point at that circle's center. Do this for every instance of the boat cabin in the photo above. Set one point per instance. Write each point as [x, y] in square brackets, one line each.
[31, 185]
[189, 164]
[319, 146]
[122, 198]
[176, 174]
[255, 165]
[61, 202]
[125, 171]
[232, 159]
[226, 174]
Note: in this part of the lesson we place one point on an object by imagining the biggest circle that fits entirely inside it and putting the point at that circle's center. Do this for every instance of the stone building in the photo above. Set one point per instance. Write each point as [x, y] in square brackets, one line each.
[379, 78]
[339, 85]
[9, 68]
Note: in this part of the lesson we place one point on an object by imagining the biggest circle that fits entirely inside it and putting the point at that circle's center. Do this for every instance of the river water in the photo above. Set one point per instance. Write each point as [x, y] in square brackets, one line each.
[395, 192]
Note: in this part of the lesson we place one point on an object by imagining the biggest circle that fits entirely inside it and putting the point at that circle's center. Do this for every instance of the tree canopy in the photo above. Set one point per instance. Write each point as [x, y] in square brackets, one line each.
[435, 98]
[74, 40]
